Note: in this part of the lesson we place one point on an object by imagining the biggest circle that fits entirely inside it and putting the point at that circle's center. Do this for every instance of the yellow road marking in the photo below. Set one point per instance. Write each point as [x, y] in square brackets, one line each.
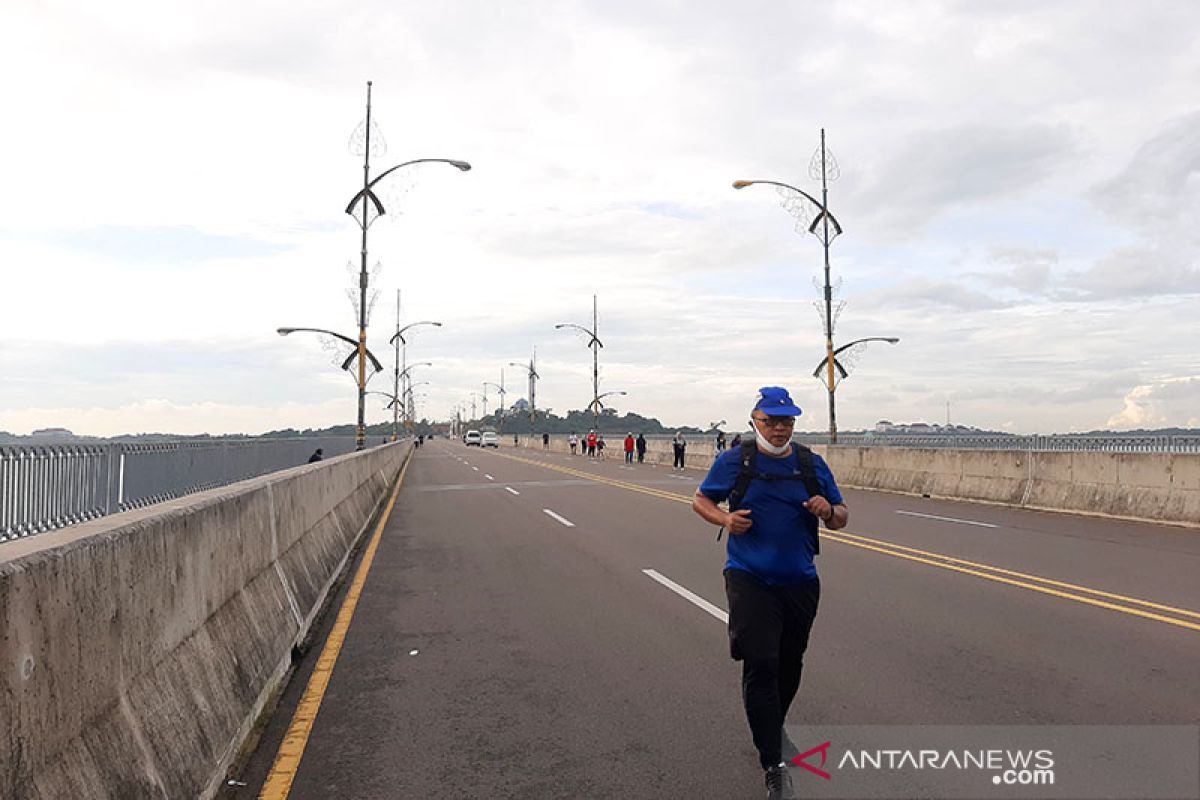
[1022, 584]
[1000, 570]
[291, 749]
[939, 560]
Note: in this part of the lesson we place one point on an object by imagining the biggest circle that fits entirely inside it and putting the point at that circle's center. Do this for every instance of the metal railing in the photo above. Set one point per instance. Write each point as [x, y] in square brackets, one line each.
[1122, 443]
[44, 487]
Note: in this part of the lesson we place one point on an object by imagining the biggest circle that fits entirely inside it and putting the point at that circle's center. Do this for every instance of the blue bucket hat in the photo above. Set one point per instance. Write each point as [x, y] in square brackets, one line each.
[774, 401]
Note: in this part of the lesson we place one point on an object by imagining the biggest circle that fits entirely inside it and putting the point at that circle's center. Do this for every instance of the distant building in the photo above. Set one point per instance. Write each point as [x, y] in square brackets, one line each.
[520, 407]
[51, 433]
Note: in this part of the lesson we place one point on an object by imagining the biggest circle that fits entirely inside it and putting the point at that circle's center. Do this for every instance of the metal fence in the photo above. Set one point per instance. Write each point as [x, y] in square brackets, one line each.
[1183, 443]
[43, 487]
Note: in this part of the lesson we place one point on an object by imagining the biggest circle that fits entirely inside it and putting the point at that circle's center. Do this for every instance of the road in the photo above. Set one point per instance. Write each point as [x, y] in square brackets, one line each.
[523, 632]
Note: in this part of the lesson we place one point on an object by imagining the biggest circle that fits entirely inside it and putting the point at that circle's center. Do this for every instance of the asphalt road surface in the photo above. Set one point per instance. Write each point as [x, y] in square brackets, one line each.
[538, 625]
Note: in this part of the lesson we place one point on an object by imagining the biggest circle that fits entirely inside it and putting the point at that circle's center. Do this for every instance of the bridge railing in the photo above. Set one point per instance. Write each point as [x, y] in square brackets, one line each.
[44, 487]
[1122, 443]
[1181, 443]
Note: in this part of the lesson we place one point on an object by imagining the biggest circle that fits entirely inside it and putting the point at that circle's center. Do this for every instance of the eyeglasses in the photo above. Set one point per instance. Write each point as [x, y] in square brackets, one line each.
[775, 422]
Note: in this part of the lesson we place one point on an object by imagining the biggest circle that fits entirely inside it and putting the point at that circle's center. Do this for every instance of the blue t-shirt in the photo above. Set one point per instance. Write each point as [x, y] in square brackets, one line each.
[778, 548]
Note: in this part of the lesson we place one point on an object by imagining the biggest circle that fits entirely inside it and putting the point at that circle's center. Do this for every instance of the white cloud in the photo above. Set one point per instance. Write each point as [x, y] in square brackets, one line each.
[1018, 188]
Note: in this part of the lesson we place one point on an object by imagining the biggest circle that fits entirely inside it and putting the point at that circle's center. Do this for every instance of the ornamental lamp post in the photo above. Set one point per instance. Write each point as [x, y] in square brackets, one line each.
[401, 345]
[364, 208]
[826, 228]
[595, 344]
[531, 369]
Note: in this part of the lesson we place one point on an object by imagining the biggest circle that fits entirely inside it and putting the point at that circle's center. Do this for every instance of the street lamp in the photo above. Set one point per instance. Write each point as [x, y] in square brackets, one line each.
[595, 344]
[531, 368]
[600, 405]
[406, 397]
[345, 364]
[401, 361]
[821, 228]
[498, 388]
[366, 200]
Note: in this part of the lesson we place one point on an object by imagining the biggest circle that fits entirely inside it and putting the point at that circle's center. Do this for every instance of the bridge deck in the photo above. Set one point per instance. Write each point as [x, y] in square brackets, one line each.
[497, 651]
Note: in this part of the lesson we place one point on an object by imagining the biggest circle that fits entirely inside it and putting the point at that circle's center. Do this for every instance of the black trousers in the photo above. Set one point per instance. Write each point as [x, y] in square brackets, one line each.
[768, 633]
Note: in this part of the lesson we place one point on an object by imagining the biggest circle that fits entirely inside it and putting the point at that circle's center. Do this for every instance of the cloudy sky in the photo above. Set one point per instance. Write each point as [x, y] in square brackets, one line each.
[1019, 189]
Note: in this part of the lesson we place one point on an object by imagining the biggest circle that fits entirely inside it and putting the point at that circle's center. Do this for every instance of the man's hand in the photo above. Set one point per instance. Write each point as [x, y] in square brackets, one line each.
[738, 521]
[819, 507]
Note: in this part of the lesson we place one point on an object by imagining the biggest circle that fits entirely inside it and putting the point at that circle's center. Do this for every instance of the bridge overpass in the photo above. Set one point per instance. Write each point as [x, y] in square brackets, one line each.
[525, 623]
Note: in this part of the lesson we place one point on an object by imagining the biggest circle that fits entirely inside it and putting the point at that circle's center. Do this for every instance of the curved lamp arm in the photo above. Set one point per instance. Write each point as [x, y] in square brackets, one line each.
[460, 165]
[349, 360]
[821, 365]
[592, 336]
[400, 333]
[824, 211]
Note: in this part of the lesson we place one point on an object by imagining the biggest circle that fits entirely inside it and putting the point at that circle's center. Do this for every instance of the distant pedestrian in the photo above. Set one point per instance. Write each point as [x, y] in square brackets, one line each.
[591, 444]
[573, 441]
[720, 441]
[315, 456]
[736, 442]
[545, 441]
[641, 448]
[600, 446]
[679, 446]
[629, 448]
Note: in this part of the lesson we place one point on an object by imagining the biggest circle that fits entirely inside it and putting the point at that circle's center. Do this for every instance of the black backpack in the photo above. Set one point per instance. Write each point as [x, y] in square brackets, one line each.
[805, 471]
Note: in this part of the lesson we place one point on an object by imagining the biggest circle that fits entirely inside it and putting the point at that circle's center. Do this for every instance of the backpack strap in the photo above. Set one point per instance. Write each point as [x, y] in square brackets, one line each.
[808, 476]
[746, 473]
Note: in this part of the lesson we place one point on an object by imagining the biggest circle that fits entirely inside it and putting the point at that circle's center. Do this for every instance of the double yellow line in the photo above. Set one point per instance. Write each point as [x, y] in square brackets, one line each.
[1159, 612]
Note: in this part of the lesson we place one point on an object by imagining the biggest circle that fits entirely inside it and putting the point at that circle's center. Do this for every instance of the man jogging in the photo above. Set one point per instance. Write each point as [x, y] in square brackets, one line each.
[770, 578]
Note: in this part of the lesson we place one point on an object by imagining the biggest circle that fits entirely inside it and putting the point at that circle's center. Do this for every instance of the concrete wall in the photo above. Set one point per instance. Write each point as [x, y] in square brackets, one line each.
[1143, 486]
[139, 649]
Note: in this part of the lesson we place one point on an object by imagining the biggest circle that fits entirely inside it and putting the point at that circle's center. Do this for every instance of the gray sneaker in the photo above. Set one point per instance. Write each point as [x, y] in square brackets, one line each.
[779, 783]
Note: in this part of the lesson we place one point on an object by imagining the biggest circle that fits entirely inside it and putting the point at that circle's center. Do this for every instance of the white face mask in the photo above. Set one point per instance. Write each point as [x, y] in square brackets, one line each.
[766, 446]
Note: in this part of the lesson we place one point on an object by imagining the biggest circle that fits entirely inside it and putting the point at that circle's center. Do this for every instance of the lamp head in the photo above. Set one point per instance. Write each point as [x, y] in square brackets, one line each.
[742, 184]
[284, 331]
[462, 165]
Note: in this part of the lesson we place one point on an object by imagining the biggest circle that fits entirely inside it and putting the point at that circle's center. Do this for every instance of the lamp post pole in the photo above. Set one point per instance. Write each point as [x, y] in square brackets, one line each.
[499, 388]
[595, 344]
[402, 349]
[829, 229]
[531, 368]
[369, 201]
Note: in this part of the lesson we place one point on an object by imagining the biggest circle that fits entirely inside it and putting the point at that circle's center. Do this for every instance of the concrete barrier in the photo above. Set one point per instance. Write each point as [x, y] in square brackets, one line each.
[139, 649]
[1139, 486]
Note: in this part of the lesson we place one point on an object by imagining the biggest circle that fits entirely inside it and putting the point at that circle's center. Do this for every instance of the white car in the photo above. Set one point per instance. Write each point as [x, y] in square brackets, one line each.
[472, 438]
[488, 439]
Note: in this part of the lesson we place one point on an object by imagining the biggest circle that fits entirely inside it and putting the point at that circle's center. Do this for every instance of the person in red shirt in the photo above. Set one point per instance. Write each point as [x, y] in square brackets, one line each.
[629, 448]
[591, 444]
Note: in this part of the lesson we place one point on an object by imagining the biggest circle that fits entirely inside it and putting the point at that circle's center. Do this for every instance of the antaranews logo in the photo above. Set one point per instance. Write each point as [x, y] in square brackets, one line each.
[823, 749]
[1009, 767]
